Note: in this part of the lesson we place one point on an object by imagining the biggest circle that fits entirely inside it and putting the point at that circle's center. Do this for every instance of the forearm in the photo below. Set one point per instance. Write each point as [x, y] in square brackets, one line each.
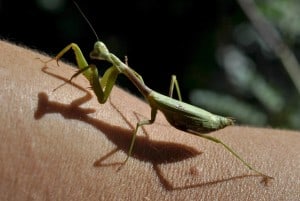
[64, 145]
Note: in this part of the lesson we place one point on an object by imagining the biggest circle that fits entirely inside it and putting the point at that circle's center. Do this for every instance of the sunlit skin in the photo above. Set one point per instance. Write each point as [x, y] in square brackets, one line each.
[59, 156]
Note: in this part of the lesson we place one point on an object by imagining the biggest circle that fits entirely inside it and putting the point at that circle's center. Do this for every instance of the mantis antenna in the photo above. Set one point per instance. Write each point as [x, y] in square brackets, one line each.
[86, 19]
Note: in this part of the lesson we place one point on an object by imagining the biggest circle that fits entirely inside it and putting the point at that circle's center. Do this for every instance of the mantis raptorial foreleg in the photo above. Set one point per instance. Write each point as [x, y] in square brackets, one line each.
[102, 87]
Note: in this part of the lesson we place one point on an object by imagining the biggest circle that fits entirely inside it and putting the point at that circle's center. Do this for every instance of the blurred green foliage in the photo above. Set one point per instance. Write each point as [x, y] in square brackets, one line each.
[221, 61]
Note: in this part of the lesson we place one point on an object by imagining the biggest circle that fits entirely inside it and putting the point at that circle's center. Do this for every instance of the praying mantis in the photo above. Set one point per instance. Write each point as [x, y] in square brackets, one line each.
[180, 115]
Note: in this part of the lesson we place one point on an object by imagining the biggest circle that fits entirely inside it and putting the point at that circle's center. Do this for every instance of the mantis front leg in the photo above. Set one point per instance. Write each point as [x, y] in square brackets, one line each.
[101, 87]
[80, 59]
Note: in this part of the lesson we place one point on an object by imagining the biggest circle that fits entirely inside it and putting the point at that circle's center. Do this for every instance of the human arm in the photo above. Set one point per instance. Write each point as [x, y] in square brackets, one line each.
[64, 145]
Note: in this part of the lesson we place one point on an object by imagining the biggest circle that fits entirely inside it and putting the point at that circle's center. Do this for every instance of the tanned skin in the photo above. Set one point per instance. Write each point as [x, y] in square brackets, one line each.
[64, 145]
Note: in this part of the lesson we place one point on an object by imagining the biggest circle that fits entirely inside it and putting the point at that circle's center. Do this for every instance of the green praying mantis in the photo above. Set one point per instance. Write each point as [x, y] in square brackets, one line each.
[180, 115]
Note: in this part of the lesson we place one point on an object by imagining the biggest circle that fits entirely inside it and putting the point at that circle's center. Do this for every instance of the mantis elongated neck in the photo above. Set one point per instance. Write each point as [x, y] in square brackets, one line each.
[136, 81]
[134, 77]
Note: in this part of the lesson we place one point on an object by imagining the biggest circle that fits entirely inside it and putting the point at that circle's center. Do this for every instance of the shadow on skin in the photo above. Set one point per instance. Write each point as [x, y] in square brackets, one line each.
[154, 152]
[167, 184]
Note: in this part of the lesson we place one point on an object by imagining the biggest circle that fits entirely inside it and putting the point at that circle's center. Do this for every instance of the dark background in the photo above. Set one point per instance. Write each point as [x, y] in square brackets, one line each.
[162, 38]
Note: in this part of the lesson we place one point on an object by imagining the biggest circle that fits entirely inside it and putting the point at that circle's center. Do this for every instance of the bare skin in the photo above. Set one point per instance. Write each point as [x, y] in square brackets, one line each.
[64, 145]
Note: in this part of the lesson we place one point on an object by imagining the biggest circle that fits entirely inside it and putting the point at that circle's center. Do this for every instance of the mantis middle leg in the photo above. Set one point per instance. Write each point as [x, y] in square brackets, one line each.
[139, 124]
[174, 82]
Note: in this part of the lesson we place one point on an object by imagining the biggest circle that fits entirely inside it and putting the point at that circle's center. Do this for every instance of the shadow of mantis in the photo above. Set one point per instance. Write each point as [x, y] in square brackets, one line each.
[154, 152]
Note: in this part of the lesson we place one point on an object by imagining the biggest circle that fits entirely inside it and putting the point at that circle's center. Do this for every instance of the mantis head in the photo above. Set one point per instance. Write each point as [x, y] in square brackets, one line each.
[100, 52]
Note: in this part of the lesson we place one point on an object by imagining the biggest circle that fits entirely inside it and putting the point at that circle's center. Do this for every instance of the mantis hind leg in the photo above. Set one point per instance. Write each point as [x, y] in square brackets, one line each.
[174, 82]
[139, 124]
[266, 177]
